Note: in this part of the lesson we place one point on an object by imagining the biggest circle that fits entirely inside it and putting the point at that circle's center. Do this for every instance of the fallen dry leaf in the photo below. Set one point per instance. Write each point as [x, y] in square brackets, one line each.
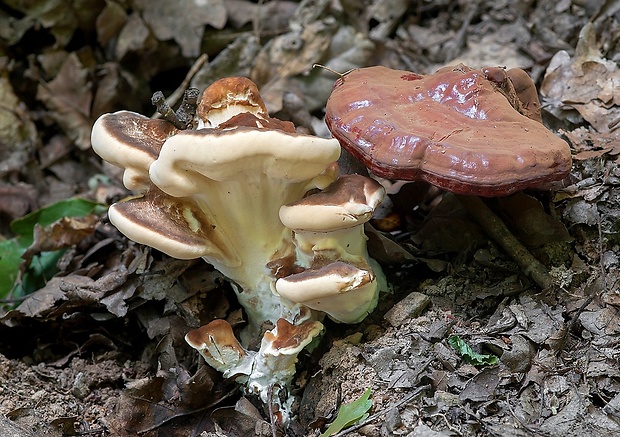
[16, 128]
[115, 89]
[289, 55]
[16, 200]
[59, 235]
[150, 403]
[184, 21]
[586, 83]
[61, 17]
[110, 22]
[133, 37]
[242, 419]
[235, 60]
[588, 143]
[68, 98]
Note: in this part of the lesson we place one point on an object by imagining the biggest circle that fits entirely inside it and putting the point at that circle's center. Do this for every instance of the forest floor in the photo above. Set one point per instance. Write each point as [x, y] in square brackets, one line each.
[92, 328]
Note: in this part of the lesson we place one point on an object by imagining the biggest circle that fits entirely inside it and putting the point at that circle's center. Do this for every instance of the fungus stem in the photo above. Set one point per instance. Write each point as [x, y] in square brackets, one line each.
[497, 230]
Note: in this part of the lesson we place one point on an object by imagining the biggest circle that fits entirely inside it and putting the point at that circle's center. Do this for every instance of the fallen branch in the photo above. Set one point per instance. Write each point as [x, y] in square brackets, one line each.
[497, 230]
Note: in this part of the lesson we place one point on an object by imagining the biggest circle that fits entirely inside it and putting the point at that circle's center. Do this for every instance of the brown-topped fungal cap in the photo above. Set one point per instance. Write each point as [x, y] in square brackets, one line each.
[217, 344]
[228, 97]
[273, 367]
[276, 358]
[329, 225]
[131, 141]
[177, 227]
[191, 161]
[289, 339]
[349, 201]
[343, 291]
[455, 129]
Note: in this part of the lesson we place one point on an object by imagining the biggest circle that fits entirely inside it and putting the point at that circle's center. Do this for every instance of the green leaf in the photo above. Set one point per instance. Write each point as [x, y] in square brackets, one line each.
[10, 258]
[74, 207]
[348, 414]
[41, 269]
[44, 265]
[468, 353]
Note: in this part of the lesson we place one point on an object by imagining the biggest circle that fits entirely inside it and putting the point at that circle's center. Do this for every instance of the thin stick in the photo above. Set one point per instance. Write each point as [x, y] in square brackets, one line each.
[182, 117]
[497, 230]
[331, 70]
[178, 93]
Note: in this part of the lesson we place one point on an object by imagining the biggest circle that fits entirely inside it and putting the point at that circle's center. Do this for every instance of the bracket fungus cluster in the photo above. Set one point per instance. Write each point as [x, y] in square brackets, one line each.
[474, 132]
[264, 205]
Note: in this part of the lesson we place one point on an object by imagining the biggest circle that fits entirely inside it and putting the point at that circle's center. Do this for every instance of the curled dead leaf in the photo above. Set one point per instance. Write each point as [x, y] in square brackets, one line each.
[68, 99]
[61, 234]
[584, 85]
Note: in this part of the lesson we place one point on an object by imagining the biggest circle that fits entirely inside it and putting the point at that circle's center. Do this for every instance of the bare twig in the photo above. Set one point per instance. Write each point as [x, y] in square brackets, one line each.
[324, 67]
[601, 258]
[183, 117]
[188, 106]
[179, 92]
[497, 230]
[448, 424]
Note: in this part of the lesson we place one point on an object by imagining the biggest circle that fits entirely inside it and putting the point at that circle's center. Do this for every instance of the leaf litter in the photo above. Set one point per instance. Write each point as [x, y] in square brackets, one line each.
[98, 347]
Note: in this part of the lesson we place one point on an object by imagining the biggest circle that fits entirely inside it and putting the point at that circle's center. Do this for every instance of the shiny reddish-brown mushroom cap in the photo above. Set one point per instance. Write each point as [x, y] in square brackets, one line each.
[455, 129]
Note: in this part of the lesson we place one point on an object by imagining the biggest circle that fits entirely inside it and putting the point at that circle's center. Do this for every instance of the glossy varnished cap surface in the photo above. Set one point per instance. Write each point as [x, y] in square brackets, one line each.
[454, 129]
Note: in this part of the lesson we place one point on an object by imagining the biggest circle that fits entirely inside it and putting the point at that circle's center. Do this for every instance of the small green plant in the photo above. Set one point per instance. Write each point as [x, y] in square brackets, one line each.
[468, 353]
[44, 266]
[348, 414]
